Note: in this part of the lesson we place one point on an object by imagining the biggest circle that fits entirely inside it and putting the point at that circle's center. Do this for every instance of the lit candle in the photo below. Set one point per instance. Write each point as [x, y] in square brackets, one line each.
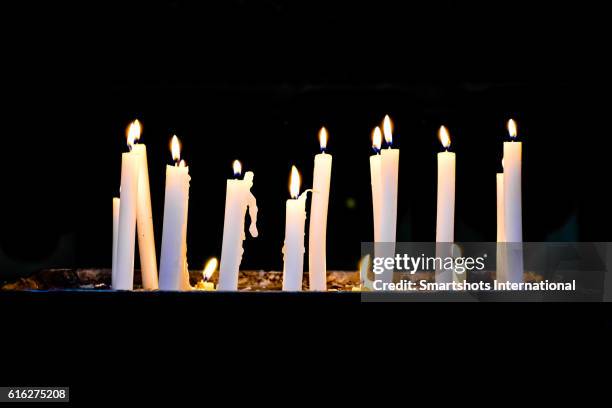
[123, 273]
[116, 203]
[445, 220]
[317, 267]
[384, 168]
[501, 233]
[293, 249]
[144, 216]
[238, 198]
[513, 224]
[173, 273]
[445, 214]
[210, 268]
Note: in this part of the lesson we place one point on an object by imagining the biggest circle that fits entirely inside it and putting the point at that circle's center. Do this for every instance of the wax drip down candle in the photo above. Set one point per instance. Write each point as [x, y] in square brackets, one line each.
[123, 272]
[317, 265]
[445, 214]
[293, 248]
[238, 198]
[144, 215]
[173, 273]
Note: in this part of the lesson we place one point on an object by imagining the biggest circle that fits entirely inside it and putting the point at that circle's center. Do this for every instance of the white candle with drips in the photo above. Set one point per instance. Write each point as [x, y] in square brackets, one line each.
[173, 271]
[445, 218]
[238, 198]
[317, 263]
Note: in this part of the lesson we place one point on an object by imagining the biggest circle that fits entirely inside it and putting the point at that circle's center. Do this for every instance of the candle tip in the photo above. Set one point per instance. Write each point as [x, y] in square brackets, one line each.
[512, 131]
[376, 139]
[209, 269]
[388, 130]
[323, 138]
[294, 182]
[444, 137]
[133, 133]
[237, 167]
[175, 148]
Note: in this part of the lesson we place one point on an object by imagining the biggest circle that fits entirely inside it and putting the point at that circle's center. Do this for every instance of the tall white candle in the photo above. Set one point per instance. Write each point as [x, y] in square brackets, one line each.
[238, 198]
[173, 271]
[144, 216]
[123, 274]
[445, 219]
[445, 214]
[513, 222]
[389, 177]
[293, 249]
[116, 203]
[317, 263]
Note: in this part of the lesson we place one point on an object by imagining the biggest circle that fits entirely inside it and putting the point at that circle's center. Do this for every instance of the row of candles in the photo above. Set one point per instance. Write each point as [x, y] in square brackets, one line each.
[132, 215]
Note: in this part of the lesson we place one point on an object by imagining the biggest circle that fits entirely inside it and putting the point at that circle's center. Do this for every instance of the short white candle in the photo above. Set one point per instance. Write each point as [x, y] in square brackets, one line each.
[173, 271]
[445, 219]
[123, 273]
[238, 198]
[144, 215]
[293, 249]
[116, 203]
[317, 237]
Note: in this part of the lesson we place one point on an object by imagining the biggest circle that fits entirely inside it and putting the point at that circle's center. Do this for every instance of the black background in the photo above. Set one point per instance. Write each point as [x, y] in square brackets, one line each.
[255, 81]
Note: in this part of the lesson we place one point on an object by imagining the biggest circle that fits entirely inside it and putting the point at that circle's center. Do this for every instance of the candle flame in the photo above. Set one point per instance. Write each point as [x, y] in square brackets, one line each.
[294, 182]
[175, 147]
[210, 268]
[133, 133]
[388, 129]
[444, 137]
[512, 128]
[323, 138]
[237, 167]
[376, 139]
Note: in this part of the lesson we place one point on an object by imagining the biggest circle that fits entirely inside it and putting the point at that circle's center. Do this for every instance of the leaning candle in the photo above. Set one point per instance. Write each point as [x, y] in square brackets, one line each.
[238, 198]
[317, 268]
[293, 250]
[116, 203]
[123, 273]
[513, 223]
[173, 272]
[445, 219]
[144, 216]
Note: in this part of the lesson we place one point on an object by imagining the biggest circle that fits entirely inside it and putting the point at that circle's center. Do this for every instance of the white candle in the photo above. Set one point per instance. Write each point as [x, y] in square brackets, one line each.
[501, 233]
[317, 265]
[513, 223]
[389, 176]
[173, 272]
[238, 198]
[445, 219]
[144, 216]
[123, 273]
[384, 168]
[116, 203]
[445, 214]
[293, 249]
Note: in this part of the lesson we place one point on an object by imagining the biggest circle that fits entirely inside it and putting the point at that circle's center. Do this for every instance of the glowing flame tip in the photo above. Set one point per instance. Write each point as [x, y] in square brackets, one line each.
[512, 128]
[209, 269]
[376, 138]
[175, 148]
[388, 129]
[444, 137]
[323, 138]
[294, 182]
[237, 167]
